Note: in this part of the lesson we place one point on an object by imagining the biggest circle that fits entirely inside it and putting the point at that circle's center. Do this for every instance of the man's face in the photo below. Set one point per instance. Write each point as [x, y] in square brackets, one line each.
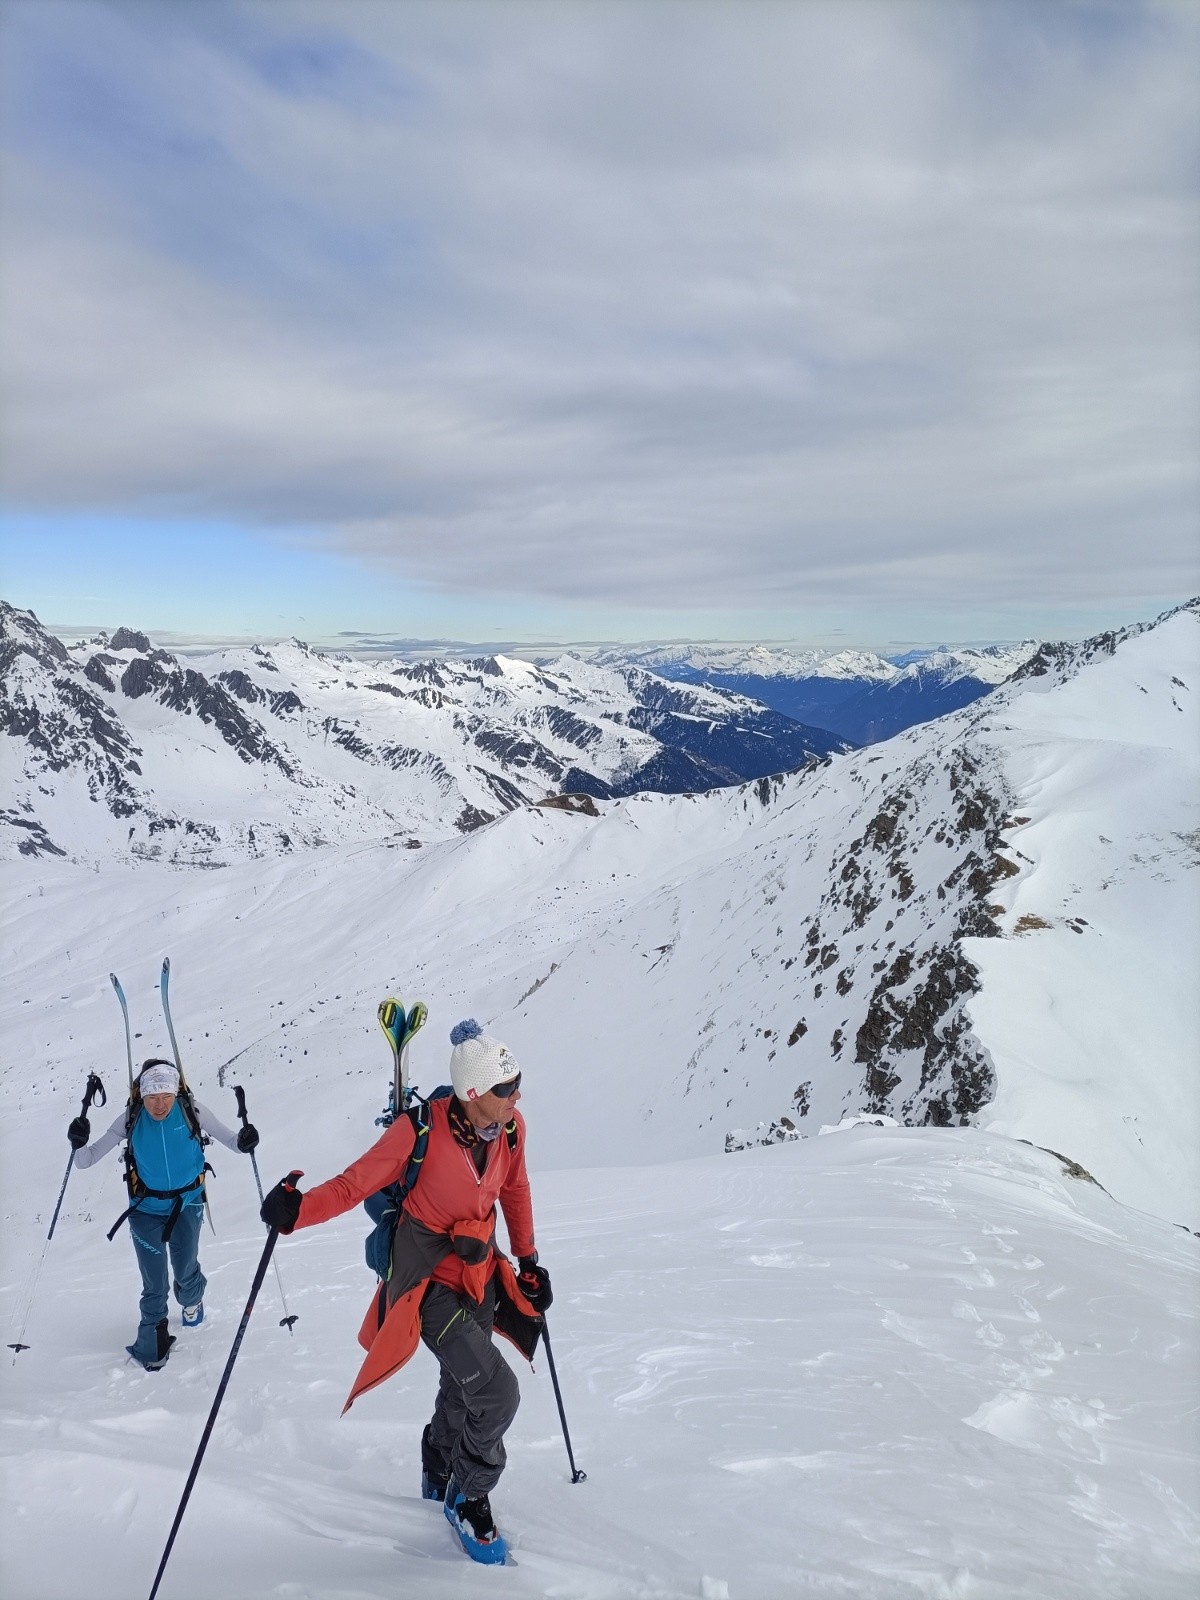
[158, 1105]
[488, 1108]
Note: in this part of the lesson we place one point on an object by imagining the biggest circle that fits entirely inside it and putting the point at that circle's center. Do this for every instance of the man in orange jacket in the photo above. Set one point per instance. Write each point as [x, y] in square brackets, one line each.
[449, 1283]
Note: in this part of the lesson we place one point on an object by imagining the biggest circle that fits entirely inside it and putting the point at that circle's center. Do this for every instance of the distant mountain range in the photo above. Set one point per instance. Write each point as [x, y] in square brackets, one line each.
[115, 747]
[856, 694]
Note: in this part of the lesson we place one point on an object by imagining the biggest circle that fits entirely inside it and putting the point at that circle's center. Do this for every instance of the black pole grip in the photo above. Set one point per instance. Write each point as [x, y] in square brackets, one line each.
[240, 1096]
[94, 1091]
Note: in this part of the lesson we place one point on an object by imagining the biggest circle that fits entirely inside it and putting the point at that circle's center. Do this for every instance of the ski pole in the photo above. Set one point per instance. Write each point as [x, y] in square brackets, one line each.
[94, 1092]
[287, 1319]
[576, 1475]
[260, 1274]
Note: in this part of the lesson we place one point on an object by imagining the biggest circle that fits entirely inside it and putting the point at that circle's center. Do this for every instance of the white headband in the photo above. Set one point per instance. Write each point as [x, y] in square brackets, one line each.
[159, 1080]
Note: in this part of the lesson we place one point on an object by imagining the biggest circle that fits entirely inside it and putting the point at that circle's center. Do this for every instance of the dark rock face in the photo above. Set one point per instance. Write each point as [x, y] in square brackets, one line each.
[573, 730]
[184, 689]
[470, 818]
[280, 702]
[581, 803]
[34, 840]
[95, 672]
[508, 796]
[67, 724]
[22, 634]
[517, 750]
[129, 639]
[284, 702]
[883, 955]
[242, 685]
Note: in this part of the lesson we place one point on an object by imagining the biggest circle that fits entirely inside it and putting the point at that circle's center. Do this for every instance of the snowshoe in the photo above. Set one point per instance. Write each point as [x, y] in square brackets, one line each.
[193, 1316]
[472, 1522]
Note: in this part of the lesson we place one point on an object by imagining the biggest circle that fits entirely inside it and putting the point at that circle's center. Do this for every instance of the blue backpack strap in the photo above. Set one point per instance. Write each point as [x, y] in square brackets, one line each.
[383, 1207]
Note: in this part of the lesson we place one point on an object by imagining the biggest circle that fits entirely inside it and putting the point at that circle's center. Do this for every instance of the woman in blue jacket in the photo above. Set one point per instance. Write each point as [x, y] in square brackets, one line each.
[165, 1174]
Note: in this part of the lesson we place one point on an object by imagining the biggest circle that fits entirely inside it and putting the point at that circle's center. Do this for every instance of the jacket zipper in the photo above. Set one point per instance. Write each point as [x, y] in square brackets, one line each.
[470, 1160]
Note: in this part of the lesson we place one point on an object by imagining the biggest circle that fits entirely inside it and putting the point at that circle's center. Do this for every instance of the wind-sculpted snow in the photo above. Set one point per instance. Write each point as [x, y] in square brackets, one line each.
[337, 751]
[857, 1367]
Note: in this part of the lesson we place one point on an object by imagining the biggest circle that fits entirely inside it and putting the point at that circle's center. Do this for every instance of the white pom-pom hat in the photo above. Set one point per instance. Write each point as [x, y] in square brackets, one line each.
[478, 1063]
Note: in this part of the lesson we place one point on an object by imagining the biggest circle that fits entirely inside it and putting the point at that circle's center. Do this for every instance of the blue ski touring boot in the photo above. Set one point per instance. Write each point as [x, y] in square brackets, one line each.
[472, 1522]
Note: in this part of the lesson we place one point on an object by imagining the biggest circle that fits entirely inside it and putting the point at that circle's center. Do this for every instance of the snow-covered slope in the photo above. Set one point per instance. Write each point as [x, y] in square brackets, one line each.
[114, 748]
[856, 1367]
[848, 1366]
[753, 962]
[855, 693]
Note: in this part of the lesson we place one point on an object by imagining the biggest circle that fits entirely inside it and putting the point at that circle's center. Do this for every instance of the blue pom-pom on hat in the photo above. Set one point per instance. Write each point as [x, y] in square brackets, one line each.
[467, 1029]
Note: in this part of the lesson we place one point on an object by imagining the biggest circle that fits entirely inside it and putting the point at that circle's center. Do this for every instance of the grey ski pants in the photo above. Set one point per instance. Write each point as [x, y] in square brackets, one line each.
[477, 1395]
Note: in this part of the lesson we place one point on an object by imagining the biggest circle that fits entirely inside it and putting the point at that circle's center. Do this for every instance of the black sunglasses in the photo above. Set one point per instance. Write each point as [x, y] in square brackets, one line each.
[505, 1091]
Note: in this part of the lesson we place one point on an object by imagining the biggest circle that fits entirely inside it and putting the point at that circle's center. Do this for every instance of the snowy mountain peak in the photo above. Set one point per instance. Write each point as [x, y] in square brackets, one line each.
[120, 749]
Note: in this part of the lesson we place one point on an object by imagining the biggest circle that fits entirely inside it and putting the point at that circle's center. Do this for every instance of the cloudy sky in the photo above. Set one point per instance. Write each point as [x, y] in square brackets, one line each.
[848, 322]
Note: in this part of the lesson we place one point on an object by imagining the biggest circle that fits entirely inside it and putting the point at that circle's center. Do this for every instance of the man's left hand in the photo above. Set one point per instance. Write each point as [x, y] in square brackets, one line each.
[247, 1139]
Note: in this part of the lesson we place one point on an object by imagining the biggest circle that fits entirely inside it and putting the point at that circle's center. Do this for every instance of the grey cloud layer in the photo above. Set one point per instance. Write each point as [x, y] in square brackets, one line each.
[710, 305]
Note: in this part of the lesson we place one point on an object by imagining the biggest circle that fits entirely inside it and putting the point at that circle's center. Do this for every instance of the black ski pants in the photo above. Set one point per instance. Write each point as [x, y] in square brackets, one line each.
[477, 1395]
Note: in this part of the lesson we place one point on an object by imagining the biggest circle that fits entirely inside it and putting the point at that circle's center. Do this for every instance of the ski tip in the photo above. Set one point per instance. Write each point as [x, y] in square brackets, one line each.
[166, 966]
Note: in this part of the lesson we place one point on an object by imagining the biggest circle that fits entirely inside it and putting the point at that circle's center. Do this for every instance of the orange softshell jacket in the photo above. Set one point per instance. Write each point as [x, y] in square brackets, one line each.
[452, 1199]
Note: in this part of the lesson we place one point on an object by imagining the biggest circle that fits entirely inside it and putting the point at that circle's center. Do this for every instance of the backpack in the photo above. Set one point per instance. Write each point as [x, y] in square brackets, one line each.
[384, 1206]
[139, 1191]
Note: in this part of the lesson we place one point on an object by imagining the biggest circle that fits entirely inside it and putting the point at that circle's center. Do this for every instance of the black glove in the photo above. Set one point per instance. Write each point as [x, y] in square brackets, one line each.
[281, 1207]
[247, 1139]
[79, 1133]
[534, 1283]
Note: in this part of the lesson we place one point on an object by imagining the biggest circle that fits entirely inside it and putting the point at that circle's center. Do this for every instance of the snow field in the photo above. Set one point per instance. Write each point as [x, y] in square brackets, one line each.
[882, 1364]
[1092, 1011]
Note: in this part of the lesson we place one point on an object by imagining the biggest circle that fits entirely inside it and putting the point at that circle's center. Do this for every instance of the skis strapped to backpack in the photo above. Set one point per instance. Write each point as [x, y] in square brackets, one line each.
[399, 1028]
[138, 1190]
[383, 1207]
